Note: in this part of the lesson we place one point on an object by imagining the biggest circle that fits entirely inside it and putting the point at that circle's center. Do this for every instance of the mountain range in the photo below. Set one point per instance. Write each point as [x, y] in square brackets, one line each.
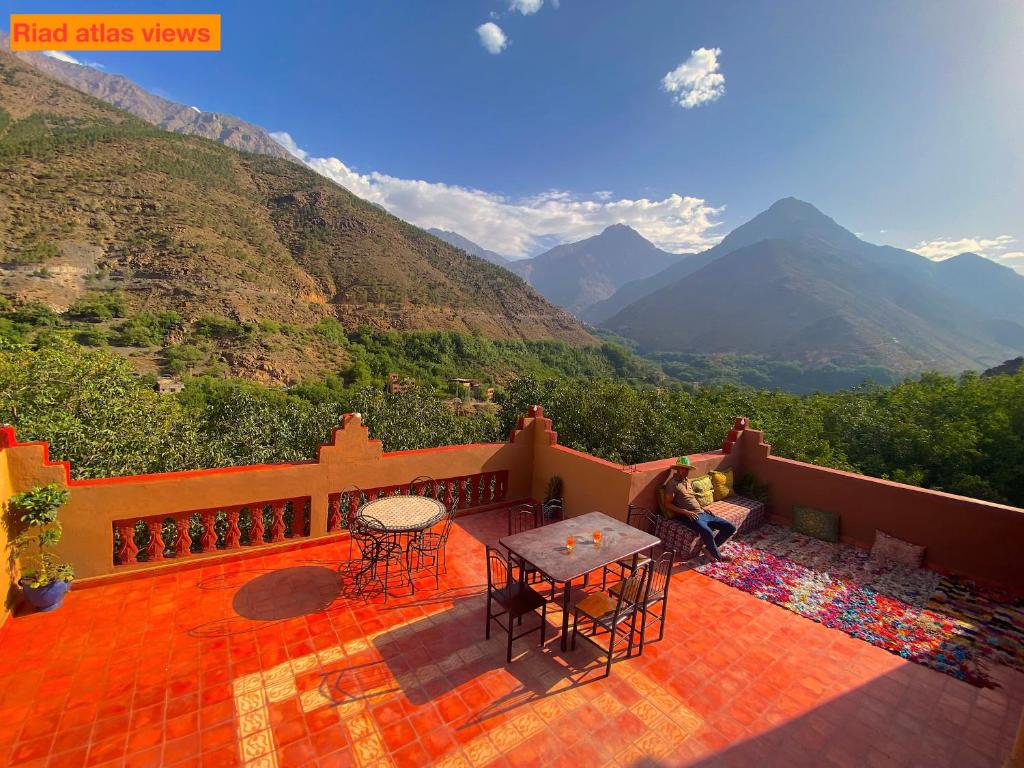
[181, 223]
[96, 200]
[576, 275]
[793, 284]
[454, 238]
[163, 113]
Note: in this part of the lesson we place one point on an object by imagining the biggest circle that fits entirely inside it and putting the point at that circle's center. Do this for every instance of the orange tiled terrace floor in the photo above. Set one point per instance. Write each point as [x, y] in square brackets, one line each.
[262, 662]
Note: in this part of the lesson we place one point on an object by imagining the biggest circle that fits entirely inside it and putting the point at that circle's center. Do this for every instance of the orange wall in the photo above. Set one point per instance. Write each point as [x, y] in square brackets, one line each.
[591, 484]
[961, 535]
[351, 458]
[647, 477]
[7, 591]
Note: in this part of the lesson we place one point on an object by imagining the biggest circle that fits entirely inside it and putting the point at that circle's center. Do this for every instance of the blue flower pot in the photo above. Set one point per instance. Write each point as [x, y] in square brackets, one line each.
[46, 598]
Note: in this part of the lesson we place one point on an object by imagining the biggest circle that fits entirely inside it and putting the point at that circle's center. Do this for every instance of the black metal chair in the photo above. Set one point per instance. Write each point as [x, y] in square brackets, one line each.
[515, 598]
[553, 511]
[642, 519]
[377, 545]
[521, 518]
[612, 613]
[348, 511]
[433, 545]
[655, 594]
[424, 485]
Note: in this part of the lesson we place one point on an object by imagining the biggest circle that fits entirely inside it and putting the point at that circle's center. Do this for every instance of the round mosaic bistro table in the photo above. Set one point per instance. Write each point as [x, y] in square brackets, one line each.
[402, 514]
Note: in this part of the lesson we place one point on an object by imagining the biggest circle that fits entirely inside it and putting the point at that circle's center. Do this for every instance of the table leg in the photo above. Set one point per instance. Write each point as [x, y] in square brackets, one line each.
[566, 597]
[408, 561]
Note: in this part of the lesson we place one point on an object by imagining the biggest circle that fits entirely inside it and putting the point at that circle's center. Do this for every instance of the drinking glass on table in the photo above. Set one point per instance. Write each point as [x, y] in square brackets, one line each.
[570, 542]
[597, 538]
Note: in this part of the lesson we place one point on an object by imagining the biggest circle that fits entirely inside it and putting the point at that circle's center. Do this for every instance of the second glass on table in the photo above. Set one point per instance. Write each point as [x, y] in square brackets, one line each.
[570, 542]
[597, 538]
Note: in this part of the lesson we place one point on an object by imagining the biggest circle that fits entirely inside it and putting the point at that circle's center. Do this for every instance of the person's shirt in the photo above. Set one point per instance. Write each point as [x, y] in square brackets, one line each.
[680, 492]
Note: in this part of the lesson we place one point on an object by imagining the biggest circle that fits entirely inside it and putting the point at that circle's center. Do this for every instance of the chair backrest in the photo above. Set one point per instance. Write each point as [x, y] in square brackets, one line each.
[660, 576]
[499, 573]
[632, 591]
[446, 523]
[522, 517]
[348, 509]
[641, 518]
[367, 532]
[552, 508]
[424, 485]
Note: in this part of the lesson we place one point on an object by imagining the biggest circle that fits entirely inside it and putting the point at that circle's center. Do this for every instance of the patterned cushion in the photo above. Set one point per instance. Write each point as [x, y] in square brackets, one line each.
[721, 483]
[746, 514]
[704, 490]
[817, 523]
[895, 550]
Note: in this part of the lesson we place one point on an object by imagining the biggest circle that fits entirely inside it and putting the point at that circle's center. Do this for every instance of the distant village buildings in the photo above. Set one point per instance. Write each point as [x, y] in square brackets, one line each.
[475, 389]
[166, 385]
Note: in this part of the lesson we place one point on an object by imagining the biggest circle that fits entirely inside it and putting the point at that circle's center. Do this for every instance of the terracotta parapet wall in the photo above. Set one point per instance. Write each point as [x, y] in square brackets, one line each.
[645, 478]
[961, 535]
[350, 457]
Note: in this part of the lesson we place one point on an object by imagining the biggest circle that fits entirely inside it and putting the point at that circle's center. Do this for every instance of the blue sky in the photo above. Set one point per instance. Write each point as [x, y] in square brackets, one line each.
[902, 120]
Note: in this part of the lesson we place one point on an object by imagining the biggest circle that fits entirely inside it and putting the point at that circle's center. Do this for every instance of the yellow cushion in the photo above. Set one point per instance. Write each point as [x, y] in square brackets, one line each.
[703, 488]
[722, 484]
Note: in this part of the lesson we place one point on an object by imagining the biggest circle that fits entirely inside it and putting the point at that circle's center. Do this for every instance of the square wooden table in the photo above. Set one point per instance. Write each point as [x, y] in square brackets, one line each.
[544, 547]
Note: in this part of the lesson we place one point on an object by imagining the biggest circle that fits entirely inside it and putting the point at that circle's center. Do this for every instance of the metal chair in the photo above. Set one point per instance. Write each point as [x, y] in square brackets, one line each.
[424, 485]
[521, 518]
[655, 594]
[553, 511]
[433, 544]
[348, 511]
[642, 519]
[377, 546]
[515, 598]
[607, 612]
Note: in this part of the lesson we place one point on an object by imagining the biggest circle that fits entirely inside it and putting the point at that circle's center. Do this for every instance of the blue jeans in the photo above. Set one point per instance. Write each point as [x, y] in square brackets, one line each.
[713, 531]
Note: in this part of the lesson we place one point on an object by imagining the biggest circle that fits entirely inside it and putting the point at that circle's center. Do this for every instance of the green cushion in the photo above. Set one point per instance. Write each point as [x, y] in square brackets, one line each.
[817, 523]
[704, 489]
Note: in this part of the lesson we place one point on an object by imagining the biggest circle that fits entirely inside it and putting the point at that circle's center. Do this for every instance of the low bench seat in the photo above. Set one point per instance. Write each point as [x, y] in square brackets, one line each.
[746, 514]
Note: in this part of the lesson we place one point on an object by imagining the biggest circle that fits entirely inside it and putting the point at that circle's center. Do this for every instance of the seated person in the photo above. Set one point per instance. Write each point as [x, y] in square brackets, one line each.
[683, 504]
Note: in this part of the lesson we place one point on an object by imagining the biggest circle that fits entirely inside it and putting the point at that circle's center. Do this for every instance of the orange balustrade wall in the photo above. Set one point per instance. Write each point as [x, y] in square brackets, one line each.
[351, 457]
[961, 535]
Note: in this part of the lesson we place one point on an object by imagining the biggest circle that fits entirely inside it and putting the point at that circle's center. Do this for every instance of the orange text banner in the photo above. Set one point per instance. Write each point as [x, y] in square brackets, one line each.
[115, 31]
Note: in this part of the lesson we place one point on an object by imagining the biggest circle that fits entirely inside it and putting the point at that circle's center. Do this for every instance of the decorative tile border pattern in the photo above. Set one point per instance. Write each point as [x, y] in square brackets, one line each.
[667, 720]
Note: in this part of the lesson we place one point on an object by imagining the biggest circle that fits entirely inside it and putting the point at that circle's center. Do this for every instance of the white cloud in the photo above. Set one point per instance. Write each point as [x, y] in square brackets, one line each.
[697, 80]
[525, 7]
[522, 227]
[995, 248]
[492, 38]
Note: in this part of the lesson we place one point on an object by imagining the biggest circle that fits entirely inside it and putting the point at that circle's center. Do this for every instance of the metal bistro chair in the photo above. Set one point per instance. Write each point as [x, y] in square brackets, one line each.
[644, 520]
[377, 546]
[521, 518]
[424, 485]
[433, 545]
[349, 513]
[612, 613]
[655, 594]
[515, 598]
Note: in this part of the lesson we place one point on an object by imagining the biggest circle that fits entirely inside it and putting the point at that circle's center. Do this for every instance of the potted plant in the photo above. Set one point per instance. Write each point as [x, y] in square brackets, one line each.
[45, 580]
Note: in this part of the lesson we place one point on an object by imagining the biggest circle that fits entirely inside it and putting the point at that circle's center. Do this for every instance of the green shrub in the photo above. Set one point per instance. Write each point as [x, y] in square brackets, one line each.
[92, 337]
[97, 306]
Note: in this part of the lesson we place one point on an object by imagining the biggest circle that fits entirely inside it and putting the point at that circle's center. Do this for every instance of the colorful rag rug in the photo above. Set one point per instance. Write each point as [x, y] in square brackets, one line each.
[943, 622]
